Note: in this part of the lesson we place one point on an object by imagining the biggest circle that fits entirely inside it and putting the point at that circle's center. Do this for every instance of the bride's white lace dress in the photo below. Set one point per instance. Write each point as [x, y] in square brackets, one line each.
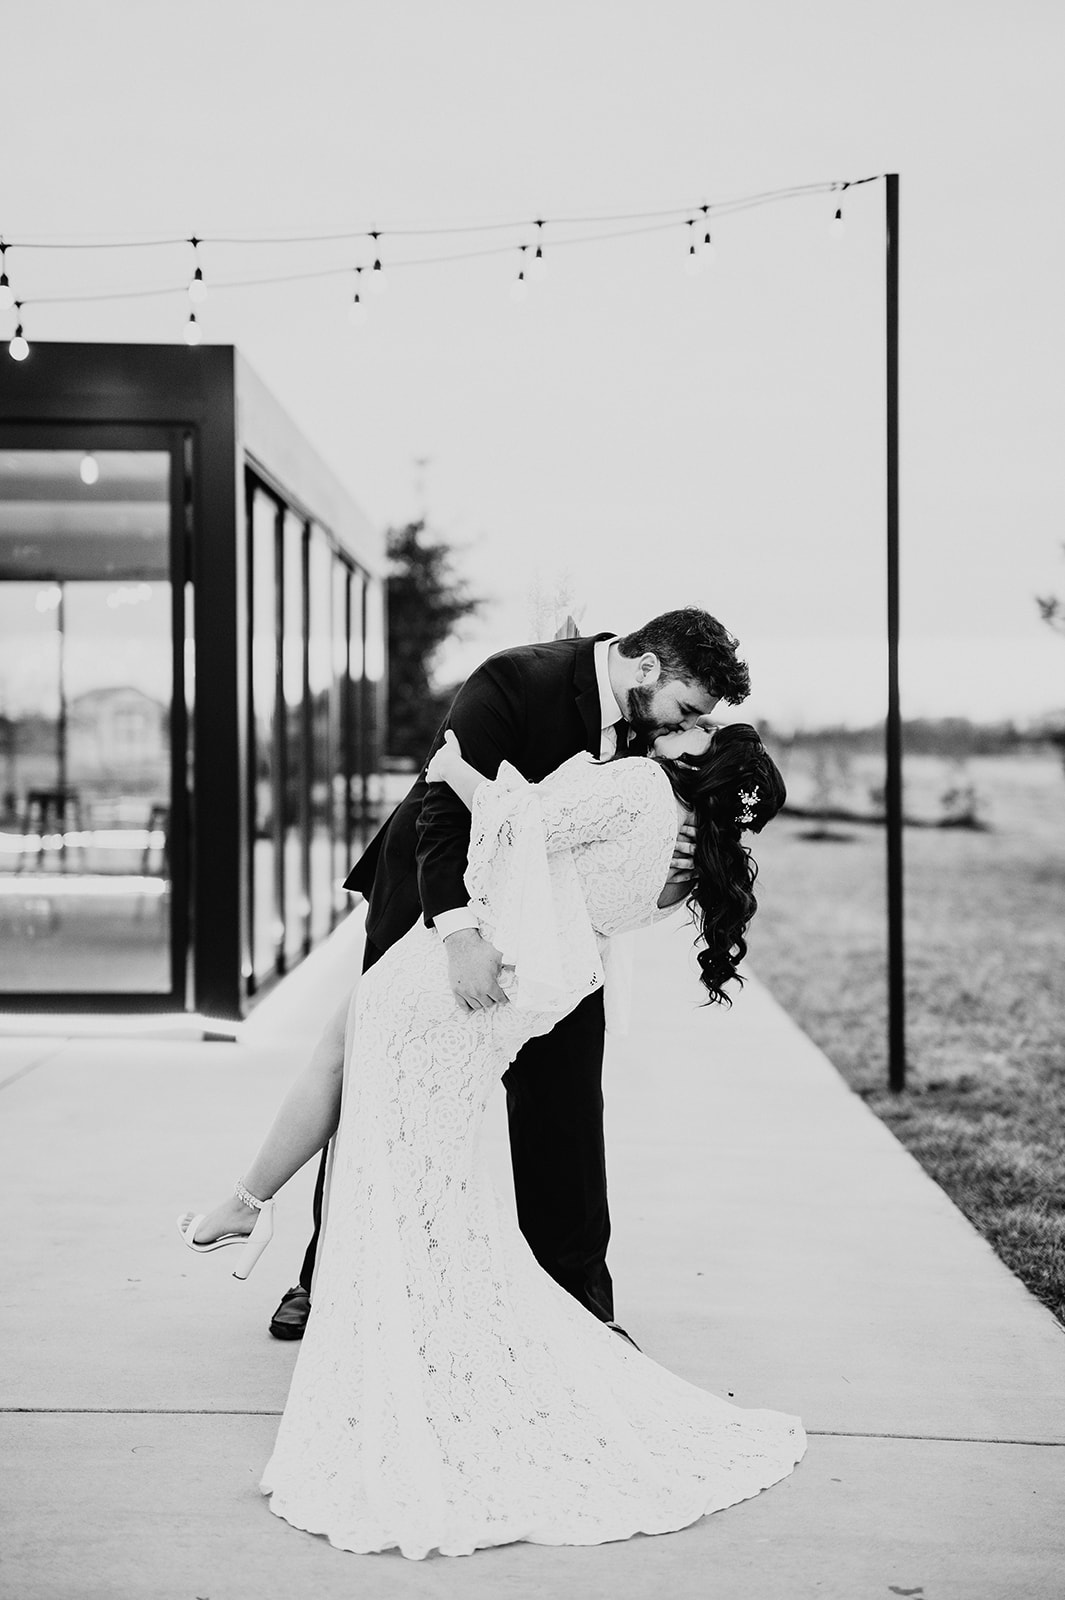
[448, 1394]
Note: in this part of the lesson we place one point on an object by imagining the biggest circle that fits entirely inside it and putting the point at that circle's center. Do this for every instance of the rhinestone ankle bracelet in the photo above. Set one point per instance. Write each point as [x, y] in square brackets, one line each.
[247, 1197]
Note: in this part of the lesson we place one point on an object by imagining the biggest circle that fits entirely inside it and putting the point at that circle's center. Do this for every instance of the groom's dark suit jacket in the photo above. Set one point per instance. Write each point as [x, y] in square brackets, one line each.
[534, 706]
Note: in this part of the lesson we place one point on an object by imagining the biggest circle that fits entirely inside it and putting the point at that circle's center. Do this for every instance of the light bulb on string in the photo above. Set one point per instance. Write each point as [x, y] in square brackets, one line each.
[378, 281]
[706, 249]
[836, 226]
[357, 308]
[197, 287]
[7, 294]
[19, 348]
[693, 264]
[520, 287]
[193, 333]
[89, 469]
[538, 266]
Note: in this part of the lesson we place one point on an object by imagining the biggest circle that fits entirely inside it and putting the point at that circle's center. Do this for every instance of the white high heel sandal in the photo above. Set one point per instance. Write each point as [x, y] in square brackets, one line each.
[254, 1242]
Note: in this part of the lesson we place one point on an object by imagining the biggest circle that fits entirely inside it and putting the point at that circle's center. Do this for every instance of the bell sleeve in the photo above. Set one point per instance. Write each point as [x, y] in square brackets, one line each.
[524, 888]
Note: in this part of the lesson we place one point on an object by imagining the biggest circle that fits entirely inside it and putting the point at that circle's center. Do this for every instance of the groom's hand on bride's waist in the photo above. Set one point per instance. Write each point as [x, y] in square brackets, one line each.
[681, 876]
[473, 970]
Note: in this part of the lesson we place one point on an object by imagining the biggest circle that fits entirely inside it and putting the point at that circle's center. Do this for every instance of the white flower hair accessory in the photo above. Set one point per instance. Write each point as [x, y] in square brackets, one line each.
[748, 802]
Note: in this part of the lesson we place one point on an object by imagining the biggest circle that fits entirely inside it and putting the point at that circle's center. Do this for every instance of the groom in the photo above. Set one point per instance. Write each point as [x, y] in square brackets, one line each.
[536, 706]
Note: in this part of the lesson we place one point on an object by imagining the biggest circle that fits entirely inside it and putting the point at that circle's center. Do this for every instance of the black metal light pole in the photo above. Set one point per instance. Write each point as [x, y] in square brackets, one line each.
[893, 732]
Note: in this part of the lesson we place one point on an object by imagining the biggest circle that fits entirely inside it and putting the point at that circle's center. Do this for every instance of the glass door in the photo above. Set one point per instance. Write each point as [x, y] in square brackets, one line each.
[91, 703]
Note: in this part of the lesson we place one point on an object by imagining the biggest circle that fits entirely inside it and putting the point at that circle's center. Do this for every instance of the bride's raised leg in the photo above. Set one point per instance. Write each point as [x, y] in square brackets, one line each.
[305, 1123]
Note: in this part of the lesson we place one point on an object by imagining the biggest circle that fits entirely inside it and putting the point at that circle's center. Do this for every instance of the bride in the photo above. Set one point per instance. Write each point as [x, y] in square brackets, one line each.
[448, 1394]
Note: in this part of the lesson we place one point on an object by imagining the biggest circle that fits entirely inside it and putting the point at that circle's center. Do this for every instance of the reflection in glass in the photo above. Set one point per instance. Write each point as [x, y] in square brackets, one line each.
[296, 899]
[339, 695]
[358, 787]
[322, 760]
[266, 900]
[86, 684]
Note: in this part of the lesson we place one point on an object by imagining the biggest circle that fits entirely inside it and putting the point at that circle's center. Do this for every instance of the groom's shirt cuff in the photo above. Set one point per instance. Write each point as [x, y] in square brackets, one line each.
[451, 921]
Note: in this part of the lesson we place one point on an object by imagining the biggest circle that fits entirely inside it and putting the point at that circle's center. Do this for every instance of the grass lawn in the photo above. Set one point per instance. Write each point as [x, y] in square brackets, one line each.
[984, 1110]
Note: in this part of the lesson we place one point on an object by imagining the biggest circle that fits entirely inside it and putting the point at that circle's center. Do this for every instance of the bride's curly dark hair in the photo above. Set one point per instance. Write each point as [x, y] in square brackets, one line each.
[717, 787]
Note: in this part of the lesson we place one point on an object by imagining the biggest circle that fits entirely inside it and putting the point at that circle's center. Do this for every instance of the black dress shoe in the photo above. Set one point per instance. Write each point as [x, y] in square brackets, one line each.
[613, 1326]
[290, 1318]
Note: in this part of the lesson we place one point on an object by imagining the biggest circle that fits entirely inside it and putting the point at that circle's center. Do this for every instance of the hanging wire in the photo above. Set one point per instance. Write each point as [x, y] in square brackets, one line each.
[651, 222]
[742, 202]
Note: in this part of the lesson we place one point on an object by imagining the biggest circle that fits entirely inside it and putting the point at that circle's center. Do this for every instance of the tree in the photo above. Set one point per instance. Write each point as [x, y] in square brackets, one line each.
[1052, 611]
[426, 601]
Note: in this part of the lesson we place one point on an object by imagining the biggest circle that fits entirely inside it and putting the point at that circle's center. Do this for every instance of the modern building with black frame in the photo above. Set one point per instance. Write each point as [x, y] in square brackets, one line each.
[191, 682]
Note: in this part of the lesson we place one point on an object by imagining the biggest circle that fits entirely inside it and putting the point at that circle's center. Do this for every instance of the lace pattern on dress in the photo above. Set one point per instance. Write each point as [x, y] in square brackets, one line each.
[557, 867]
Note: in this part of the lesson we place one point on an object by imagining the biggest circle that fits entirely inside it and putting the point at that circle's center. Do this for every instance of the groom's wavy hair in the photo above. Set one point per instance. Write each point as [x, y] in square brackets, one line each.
[693, 646]
[733, 787]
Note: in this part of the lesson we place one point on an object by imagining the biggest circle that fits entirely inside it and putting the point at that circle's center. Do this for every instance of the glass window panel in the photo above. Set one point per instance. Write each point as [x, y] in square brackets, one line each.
[86, 686]
[296, 899]
[322, 763]
[266, 913]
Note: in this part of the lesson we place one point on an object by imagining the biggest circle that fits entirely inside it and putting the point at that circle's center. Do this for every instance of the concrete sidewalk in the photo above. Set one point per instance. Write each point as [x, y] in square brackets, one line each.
[772, 1242]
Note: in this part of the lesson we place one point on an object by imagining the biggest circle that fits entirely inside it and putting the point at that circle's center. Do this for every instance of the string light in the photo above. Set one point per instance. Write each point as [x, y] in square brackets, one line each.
[693, 264]
[707, 252]
[520, 285]
[699, 254]
[676, 213]
[18, 349]
[835, 227]
[197, 287]
[538, 266]
[378, 281]
[357, 309]
[89, 469]
[7, 296]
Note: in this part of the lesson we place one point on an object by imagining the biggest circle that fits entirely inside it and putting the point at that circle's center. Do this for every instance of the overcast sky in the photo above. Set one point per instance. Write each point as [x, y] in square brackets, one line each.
[628, 437]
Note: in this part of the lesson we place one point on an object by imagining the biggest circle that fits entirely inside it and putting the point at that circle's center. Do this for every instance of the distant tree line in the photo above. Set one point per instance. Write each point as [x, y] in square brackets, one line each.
[957, 738]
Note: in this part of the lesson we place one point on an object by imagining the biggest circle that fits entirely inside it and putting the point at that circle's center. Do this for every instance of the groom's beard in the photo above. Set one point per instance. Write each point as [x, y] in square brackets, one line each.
[643, 724]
